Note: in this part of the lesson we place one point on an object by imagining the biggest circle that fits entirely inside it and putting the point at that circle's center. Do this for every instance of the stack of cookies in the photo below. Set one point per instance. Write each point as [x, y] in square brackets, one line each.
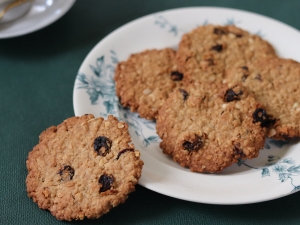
[216, 99]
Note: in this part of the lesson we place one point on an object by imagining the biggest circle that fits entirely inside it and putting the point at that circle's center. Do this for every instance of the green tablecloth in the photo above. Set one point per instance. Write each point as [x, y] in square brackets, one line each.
[37, 73]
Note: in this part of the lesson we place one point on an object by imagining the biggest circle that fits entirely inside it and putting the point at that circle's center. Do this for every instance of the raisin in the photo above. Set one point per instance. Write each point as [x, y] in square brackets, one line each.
[258, 77]
[184, 93]
[123, 151]
[230, 95]
[219, 31]
[210, 62]
[66, 173]
[195, 145]
[217, 48]
[237, 151]
[176, 76]
[106, 182]
[260, 115]
[238, 35]
[245, 68]
[102, 145]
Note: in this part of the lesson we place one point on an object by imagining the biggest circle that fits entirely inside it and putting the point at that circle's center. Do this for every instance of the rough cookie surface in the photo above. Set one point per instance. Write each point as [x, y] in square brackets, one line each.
[275, 83]
[208, 127]
[205, 52]
[83, 167]
[144, 81]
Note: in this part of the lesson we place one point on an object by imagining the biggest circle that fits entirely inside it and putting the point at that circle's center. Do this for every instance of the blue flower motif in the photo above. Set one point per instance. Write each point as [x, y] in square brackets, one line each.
[278, 168]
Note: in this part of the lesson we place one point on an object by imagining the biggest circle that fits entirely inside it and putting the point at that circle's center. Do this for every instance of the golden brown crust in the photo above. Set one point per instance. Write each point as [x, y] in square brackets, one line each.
[64, 169]
[275, 82]
[205, 52]
[212, 128]
[144, 80]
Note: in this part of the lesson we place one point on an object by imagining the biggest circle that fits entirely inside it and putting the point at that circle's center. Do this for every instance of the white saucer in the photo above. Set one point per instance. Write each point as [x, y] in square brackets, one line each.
[41, 14]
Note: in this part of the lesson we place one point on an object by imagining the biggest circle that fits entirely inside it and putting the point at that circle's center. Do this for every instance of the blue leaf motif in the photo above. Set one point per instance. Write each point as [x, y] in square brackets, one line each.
[101, 66]
[283, 176]
[288, 161]
[278, 143]
[109, 107]
[94, 69]
[279, 168]
[267, 146]
[153, 139]
[265, 172]
[146, 142]
[297, 188]
[82, 78]
[240, 162]
[93, 95]
[294, 169]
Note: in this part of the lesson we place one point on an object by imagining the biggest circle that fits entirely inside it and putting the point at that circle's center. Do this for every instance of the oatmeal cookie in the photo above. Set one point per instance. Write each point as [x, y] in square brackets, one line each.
[145, 79]
[275, 83]
[205, 52]
[83, 167]
[208, 127]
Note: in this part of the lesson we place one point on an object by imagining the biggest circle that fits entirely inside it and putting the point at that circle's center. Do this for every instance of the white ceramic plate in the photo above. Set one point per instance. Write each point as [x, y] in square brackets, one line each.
[275, 173]
[41, 14]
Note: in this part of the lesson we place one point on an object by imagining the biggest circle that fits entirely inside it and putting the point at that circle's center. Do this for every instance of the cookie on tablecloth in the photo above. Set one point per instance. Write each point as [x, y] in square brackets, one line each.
[205, 52]
[145, 79]
[275, 83]
[208, 127]
[83, 167]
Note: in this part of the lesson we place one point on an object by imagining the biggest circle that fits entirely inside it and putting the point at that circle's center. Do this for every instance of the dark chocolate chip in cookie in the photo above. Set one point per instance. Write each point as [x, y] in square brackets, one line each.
[230, 95]
[123, 151]
[193, 145]
[66, 173]
[106, 181]
[176, 76]
[217, 48]
[184, 94]
[102, 145]
[220, 31]
[260, 115]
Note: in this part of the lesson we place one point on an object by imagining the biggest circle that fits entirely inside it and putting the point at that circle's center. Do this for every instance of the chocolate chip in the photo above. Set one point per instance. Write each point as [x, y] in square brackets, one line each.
[230, 95]
[219, 31]
[258, 77]
[102, 145]
[245, 68]
[260, 116]
[123, 151]
[106, 182]
[184, 93]
[217, 48]
[238, 35]
[195, 145]
[66, 173]
[246, 73]
[176, 76]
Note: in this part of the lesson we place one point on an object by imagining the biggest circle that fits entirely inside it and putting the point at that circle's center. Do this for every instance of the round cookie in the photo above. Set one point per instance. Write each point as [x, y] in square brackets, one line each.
[205, 52]
[208, 127]
[83, 167]
[275, 83]
[145, 79]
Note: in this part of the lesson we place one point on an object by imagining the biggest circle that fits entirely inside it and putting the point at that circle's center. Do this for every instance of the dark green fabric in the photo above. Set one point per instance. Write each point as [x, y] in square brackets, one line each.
[37, 73]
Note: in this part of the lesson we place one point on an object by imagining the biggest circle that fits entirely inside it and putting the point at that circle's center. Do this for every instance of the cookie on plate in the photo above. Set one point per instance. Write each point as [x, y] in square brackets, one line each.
[145, 79]
[275, 83]
[83, 167]
[208, 127]
[205, 52]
